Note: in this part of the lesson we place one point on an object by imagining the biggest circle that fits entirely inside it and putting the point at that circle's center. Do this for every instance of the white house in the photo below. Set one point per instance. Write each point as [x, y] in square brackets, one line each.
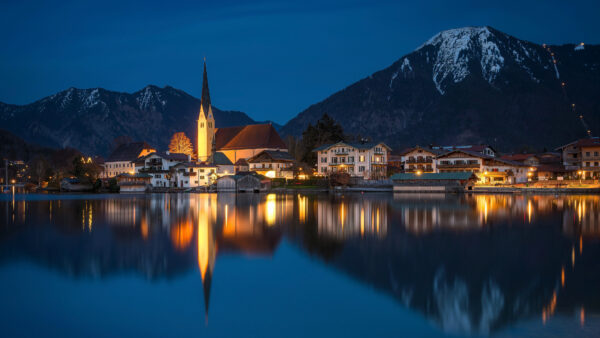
[158, 165]
[367, 160]
[122, 159]
[190, 175]
[489, 170]
[272, 163]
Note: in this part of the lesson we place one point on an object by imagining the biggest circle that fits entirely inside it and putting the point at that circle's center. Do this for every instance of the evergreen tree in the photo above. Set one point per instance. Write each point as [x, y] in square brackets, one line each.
[325, 131]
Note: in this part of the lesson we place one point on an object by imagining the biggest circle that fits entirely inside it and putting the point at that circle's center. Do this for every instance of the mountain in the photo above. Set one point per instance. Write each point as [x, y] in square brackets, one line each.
[471, 85]
[90, 119]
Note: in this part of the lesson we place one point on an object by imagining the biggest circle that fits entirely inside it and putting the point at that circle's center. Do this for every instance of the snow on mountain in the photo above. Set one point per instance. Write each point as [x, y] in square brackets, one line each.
[454, 51]
[490, 86]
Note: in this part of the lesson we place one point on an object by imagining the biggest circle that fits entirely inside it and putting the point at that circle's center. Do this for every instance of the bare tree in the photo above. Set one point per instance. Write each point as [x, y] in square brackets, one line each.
[181, 144]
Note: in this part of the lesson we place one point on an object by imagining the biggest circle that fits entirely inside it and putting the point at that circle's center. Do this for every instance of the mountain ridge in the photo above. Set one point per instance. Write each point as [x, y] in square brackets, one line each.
[89, 119]
[468, 85]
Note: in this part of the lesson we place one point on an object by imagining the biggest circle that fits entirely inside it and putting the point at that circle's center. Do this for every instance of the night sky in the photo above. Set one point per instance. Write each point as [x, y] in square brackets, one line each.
[270, 59]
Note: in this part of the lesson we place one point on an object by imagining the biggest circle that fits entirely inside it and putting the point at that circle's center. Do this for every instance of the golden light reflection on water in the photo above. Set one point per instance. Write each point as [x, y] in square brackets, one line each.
[203, 226]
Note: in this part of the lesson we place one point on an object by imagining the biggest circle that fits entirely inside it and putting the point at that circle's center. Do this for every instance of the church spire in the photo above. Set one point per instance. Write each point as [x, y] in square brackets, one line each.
[205, 99]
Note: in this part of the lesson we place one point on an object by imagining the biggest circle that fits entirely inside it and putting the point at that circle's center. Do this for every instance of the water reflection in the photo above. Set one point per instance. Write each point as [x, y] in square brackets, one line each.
[469, 263]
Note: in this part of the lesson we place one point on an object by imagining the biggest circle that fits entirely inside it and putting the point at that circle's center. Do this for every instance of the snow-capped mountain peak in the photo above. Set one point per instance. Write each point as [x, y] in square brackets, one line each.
[457, 48]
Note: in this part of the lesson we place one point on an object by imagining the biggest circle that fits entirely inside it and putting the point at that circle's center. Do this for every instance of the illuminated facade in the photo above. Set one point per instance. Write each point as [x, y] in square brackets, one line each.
[206, 123]
[367, 160]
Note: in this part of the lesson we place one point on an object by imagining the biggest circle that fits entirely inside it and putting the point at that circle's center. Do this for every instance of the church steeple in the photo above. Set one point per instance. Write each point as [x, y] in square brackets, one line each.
[206, 123]
[205, 99]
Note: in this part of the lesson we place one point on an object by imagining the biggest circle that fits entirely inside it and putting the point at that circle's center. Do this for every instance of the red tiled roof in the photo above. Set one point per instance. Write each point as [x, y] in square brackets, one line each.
[588, 142]
[253, 136]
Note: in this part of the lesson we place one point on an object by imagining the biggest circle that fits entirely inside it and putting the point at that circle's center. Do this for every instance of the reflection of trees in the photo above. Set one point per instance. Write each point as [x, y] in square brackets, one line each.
[471, 263]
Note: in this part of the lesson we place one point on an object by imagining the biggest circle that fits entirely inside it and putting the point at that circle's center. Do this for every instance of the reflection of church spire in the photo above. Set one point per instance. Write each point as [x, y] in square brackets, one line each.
[206, 282]
[206, 249]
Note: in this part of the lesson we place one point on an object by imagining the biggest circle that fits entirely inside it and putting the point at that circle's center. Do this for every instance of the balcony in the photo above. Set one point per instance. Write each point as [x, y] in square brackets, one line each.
[419, 160]
[459, 165]
[378, 152]
[341, 153]
[590, 158]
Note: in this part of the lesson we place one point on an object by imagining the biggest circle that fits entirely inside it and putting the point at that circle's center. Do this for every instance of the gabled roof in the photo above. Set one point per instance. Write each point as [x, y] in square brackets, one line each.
[433, 176]
[166, 155]
[128, 152]
[357, 145]
[431, 150]
[221, 159]
[471, 147]
[241, 161]
[584, 142]
[273, 155]
[252, 136]
[467, 152]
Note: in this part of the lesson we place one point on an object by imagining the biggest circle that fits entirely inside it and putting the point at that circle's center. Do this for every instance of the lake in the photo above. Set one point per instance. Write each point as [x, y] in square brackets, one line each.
[299, 265]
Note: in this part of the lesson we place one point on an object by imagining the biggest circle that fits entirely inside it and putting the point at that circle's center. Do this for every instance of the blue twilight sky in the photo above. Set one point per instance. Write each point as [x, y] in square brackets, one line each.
[270, 59]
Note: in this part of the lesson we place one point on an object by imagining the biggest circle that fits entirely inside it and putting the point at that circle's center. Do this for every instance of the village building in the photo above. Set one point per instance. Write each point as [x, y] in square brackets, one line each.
[241, 142]
[367, 160]
[489, 170]
[419, 159]
[133, 183]
[158, 165]
[192, 175]
[272, 164]
[241, 165]
[582, 156]
[243, 182]
[122, 159]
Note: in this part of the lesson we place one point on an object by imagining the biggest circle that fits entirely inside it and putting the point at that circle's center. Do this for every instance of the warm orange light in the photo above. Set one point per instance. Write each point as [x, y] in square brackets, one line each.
[271, 209]
[181, 235]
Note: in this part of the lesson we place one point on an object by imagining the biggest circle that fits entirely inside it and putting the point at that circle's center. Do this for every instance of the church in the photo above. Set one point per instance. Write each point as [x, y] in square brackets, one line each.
[235, 143]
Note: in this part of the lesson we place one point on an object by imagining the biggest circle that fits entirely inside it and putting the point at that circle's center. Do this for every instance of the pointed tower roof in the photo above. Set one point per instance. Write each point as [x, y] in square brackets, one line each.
[205, 99]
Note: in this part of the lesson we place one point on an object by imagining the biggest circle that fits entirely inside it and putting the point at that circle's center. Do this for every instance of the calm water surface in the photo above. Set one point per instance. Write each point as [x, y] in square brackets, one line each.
[298, 265]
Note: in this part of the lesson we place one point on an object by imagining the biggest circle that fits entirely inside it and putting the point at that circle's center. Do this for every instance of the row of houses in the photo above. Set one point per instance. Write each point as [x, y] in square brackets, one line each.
[579, 159]
[482, 160]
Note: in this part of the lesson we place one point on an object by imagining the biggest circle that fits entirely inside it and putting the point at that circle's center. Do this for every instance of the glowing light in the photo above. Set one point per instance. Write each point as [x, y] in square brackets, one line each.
[562, 276]
[270, 174]
[419, 172]
[582, 316]
[529, 210]
[573, 256]
[271, 209]
[362, 221]
[181, 235]
[302, 208]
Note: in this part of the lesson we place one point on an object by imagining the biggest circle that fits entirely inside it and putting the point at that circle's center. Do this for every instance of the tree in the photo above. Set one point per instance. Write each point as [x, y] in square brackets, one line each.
[326, 130]
[181, 144]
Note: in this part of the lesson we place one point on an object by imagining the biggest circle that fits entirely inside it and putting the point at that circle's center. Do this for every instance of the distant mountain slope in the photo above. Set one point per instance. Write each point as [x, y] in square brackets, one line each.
[89, 119]
[471, 85]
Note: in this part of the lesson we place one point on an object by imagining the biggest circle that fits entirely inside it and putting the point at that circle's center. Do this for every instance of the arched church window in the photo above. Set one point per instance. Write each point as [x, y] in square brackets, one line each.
[201, 124]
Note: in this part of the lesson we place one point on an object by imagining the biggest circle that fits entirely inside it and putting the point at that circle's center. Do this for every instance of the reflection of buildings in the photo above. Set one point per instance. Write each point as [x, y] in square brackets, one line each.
[516, 257]
[347, 217]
